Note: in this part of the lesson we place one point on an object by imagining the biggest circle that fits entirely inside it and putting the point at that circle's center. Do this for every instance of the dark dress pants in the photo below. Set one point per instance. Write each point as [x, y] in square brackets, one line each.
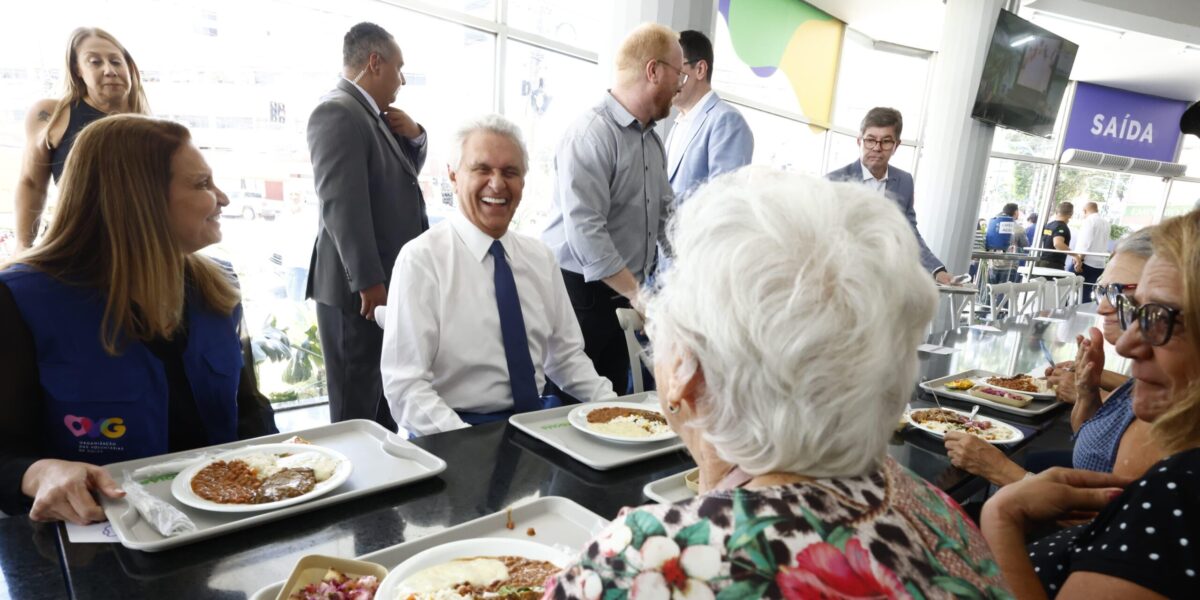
[596, 307]
[352, 345]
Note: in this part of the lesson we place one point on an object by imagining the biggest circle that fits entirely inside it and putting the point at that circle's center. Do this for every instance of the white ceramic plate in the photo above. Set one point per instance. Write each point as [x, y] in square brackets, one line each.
[578, 419]
[390, 588]
[181, 487]
[1016, 434]
[1046, 395]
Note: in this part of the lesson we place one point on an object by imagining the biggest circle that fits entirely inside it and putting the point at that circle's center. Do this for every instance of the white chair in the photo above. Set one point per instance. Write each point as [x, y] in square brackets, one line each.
[631, 322]
[1063, 292]
[1015, 298]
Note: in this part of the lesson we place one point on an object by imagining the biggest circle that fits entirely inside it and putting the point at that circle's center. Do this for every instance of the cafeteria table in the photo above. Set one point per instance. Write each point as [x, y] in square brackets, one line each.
[490, 467]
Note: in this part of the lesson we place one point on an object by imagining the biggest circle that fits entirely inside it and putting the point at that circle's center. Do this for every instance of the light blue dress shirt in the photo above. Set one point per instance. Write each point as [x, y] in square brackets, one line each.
[611, 194]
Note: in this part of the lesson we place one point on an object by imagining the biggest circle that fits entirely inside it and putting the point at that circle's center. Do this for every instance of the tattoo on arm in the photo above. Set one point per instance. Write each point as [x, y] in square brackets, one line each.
[43, 116]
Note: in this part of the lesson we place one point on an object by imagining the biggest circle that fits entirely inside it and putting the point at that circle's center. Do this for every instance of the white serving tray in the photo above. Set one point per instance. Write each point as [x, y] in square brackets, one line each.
[382, 460]
[670, 489]
[551, 426]
[1039, 406]
[557, 522]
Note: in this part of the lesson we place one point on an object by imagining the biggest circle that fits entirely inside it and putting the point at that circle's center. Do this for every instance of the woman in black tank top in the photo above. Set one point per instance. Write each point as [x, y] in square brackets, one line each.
[103, 79]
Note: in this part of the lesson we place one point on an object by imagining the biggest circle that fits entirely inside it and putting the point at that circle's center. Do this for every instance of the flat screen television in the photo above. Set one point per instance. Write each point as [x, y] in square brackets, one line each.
[1024, 76]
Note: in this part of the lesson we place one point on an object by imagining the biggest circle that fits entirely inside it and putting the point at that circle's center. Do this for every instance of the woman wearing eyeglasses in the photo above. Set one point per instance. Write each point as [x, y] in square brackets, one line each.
[1108, 438]
[1143, 542]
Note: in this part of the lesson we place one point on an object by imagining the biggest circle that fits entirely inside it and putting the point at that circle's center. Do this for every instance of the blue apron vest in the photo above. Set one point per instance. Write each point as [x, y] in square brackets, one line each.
[999, 232]
[101, 409]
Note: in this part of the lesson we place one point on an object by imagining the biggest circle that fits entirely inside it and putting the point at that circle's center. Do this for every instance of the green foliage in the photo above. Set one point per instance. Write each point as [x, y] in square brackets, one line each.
[304, 356]
[271, 344]
[285, 396]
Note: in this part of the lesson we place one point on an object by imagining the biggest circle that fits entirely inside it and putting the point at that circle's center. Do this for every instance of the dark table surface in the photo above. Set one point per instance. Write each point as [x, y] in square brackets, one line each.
[488, 468]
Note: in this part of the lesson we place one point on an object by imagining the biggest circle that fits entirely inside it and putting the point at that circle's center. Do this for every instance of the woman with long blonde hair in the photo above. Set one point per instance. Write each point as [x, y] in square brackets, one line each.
[120, 341]
[1142, 544]
[101, 79]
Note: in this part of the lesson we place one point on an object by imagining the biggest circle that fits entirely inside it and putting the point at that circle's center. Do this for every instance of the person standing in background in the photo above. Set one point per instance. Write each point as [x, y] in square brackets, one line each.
[611, 194]
[709, 136]
[366, 156]
[1056, 235]
[101, 80]
[879, 136]
[1004, 234]
[1094, 236]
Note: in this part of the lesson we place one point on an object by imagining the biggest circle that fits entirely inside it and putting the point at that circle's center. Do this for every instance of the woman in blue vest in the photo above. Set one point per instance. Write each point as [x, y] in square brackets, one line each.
[120, 341]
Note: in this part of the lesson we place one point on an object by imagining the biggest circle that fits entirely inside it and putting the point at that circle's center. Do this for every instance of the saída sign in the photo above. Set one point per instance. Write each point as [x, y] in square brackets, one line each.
[1113, 121]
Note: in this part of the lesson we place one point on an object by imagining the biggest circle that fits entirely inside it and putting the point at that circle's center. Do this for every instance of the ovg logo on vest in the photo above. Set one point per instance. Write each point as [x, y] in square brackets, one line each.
[111, 428]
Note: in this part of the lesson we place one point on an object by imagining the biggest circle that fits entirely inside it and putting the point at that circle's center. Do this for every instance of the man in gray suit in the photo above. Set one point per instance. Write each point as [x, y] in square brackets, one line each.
[879, 135]
[366, 156]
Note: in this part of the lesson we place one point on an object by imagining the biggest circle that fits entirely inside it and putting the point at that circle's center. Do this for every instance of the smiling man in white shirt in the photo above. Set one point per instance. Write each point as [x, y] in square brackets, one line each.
[478, 316]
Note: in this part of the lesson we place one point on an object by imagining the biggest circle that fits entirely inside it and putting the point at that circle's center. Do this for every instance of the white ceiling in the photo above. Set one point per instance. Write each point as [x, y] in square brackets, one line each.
[1137, 45]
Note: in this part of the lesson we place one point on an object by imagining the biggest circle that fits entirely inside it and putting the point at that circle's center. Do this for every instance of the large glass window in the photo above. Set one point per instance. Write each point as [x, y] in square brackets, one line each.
[1128, 202]
[785, 143]
[1023, 183]
[1190, 155]
[1184, 198]
[244, 77]
[544, 92]
[571, 22]
[868, 77]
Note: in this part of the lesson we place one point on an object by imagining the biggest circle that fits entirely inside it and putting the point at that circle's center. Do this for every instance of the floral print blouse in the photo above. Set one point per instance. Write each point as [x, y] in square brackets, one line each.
[889, 534]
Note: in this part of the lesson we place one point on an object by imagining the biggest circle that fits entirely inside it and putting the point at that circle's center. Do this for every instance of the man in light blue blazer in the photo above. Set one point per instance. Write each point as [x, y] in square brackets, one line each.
[879, 135]
[709, 136]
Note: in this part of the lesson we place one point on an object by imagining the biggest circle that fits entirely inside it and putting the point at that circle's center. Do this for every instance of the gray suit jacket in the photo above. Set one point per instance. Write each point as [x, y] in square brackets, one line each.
[371, 203]
[898, 187]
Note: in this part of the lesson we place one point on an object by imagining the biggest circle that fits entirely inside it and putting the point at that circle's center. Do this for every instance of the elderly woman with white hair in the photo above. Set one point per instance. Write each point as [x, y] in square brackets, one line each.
[785, 340]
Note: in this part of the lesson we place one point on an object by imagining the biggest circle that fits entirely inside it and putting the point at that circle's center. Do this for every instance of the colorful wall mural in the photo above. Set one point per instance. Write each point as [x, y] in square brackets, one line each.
[783, 52]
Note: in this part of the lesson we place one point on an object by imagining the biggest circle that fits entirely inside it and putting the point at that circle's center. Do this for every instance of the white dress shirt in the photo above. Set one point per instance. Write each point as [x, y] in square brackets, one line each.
[677, 138]
[442, 348]
[870, 181]
[1093, 237]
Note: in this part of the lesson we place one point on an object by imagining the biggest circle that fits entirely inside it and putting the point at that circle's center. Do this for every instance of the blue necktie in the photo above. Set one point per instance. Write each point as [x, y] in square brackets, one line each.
[512, 330]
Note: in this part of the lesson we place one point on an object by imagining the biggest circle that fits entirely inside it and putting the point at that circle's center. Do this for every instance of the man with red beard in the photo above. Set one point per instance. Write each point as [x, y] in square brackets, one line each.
[611, 194]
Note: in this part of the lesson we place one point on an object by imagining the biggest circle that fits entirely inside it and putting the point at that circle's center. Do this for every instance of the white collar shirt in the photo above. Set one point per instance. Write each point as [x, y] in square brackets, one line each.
[442, 346]
[678, 137]
[416, 142]
[1093, 237]
[370, 100]
[870, 181]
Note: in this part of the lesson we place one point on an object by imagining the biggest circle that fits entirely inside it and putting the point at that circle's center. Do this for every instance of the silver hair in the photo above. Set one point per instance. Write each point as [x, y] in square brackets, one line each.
[801, 302]
[493, 123]
[1137, 243]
